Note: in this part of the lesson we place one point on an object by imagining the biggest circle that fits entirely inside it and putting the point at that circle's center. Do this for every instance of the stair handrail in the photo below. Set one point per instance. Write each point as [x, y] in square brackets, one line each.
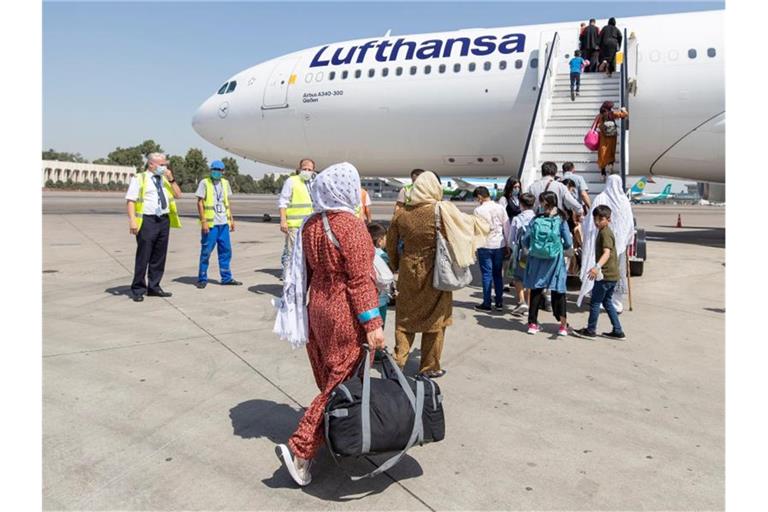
[547, 73]
[625, 121]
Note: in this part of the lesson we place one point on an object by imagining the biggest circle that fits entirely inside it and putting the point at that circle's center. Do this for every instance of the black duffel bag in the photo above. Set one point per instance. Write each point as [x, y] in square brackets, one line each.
[367, 416]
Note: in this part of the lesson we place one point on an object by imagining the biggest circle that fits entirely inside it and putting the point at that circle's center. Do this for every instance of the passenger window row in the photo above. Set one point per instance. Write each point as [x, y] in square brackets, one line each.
[227, 87]
[427, 69]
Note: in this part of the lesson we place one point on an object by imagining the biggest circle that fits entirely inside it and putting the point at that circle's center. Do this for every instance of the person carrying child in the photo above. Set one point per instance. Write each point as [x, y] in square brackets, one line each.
[519, 226]
[545, 241]
[577, 64]
[605, 274]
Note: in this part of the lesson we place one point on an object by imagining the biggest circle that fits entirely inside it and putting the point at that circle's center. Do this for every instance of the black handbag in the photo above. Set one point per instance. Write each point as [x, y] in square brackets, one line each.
[366, 416]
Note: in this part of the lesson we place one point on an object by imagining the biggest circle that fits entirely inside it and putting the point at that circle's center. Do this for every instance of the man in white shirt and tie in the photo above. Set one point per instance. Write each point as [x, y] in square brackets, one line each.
[151, 213]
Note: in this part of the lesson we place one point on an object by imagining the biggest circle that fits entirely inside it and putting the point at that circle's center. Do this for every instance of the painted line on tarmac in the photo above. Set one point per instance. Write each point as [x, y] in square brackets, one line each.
[118, 347]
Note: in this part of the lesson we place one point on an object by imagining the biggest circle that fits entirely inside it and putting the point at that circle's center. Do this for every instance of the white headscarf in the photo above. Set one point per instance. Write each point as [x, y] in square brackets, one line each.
[337, 188]
[622, 225]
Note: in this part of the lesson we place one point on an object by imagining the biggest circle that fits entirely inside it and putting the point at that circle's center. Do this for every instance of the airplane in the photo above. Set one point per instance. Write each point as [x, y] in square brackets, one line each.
[638, 188]
[654, 198]
[461, 103]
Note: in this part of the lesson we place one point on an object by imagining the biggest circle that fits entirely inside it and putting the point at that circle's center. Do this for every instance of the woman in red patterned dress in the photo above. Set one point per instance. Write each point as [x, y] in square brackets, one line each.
[343, 307]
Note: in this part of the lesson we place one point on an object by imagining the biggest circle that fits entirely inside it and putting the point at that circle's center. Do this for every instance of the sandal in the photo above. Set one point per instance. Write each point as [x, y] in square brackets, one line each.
[434, 374]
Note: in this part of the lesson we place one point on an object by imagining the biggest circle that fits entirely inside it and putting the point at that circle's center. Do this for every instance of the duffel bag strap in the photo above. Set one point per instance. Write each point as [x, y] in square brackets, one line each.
[417, 436]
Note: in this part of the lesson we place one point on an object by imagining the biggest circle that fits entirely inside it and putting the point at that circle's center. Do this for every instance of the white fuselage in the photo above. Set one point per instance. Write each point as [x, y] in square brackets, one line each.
[289, 107]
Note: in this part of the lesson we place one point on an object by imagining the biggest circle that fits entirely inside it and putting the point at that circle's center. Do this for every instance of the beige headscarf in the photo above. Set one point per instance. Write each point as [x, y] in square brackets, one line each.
[464, 232]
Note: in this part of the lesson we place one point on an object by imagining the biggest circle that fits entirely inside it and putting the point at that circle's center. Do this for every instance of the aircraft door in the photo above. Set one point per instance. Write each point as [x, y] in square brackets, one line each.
[276, 90]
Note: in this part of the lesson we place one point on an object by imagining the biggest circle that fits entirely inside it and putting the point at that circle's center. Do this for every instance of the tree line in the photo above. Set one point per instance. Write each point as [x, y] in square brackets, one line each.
[188, 170]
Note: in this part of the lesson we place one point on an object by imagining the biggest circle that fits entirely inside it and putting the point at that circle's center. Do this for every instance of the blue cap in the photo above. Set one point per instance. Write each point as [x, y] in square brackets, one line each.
[217, 165]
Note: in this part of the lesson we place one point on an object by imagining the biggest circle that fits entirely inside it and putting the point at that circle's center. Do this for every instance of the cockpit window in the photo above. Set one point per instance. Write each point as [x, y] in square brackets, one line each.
[223, 88]
[232, 86]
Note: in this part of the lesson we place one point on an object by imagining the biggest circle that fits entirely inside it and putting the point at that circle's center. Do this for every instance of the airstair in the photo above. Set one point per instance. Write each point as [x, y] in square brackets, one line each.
[559, 124]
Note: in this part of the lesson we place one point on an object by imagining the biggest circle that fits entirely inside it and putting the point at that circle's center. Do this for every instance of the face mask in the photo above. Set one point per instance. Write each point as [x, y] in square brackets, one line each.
[160, 170]
[306, 175]
[216, 175]
[515, 192]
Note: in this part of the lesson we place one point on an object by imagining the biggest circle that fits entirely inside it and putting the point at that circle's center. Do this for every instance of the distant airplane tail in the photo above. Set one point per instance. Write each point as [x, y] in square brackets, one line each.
[667, 190]
[638, 187]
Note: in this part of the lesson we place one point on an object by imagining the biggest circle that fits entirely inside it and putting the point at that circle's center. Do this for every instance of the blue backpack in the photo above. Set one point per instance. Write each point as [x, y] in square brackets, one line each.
[545, 237]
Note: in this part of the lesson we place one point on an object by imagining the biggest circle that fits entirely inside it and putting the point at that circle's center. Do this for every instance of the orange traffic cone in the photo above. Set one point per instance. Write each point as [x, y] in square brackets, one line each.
[679, 222]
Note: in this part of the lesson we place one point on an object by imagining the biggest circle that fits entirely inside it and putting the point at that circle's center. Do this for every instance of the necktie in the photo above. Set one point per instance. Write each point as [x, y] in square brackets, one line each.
[160, 195]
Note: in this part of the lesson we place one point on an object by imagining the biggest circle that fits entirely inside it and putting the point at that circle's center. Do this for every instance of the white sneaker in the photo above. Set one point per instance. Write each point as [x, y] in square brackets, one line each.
[562, 331]
[534, 329]
[297, 468]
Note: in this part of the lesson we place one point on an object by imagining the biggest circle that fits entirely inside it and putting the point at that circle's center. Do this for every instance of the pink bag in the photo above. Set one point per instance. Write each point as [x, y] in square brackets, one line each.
[592, 138]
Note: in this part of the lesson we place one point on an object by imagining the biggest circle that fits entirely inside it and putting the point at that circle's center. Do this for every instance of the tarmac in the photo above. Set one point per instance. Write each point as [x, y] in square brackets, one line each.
[176, 404]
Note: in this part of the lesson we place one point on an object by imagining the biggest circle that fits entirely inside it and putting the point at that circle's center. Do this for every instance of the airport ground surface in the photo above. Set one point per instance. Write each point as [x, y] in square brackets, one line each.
[177, 403]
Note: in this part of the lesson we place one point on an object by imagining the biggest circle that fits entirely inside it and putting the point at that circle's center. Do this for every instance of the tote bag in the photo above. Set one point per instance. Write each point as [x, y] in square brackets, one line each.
[447, 275]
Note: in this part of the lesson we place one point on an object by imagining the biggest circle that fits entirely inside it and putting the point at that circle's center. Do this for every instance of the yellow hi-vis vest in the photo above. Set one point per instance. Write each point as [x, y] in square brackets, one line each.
[210, 204]
[173, 213]
[301, 203]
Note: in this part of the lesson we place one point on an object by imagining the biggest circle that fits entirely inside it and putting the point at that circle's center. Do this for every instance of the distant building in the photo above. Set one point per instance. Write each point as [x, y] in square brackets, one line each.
[79, 172]
[379, 187]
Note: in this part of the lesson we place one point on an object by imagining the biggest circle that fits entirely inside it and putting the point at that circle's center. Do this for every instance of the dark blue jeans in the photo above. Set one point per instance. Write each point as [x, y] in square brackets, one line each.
[576, 80]
[602, 293]
[490, 261]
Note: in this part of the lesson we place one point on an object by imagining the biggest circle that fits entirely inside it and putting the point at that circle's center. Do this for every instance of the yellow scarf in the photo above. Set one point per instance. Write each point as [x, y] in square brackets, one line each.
[464, 233]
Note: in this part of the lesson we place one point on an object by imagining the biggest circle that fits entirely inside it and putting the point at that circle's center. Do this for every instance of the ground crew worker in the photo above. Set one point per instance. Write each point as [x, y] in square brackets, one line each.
[295, 205]
[404, 196]
[151, 213]
[364, 210]
[213, 207]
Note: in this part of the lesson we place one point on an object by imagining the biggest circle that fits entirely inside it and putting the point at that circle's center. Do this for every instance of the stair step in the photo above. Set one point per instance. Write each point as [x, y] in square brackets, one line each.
[567, 105]
[566, 140]
[574, 124]
[565, 92]
[565, 99]
[583, 158]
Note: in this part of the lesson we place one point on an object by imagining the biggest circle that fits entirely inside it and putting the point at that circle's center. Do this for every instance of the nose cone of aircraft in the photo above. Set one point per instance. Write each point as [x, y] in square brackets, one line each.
[205, 121]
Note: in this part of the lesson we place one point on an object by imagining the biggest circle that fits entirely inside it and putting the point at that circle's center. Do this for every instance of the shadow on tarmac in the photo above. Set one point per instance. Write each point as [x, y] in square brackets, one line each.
[706, 236]
[276, 290]
[256, 418]
[120, 290]
[274, 272]
[192, 280]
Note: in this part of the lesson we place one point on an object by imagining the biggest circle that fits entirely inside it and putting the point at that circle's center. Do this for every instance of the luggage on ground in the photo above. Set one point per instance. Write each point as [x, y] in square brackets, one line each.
[368, 416]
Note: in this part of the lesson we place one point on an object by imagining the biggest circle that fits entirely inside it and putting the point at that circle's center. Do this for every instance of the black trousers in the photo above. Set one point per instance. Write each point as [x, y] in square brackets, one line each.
[592, 56]
[537, 298]
[152, 247]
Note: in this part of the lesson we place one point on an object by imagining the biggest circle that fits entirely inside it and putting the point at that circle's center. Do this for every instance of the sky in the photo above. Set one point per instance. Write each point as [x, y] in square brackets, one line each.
[116, 74]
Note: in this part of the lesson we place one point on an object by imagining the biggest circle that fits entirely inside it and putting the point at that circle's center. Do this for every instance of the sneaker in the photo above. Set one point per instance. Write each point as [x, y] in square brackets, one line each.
[614, 335]
[534, 328]
[202, 284]
[232, 283]
[481, 307]
[584, 333]
[577, 93]
[562, 331]
[573, 98]
[520, 309]
[297, 468]
[498, 307]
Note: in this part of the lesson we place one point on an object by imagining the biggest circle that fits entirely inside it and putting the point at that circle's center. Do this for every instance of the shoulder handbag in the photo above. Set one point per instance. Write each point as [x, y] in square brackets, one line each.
[592, 138]
[447, 275]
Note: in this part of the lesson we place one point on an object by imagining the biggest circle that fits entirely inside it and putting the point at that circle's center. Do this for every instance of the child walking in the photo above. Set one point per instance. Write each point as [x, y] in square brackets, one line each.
[605, 273]
[379, 237]
[546, 239]
[577, 64]
[518, 228]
